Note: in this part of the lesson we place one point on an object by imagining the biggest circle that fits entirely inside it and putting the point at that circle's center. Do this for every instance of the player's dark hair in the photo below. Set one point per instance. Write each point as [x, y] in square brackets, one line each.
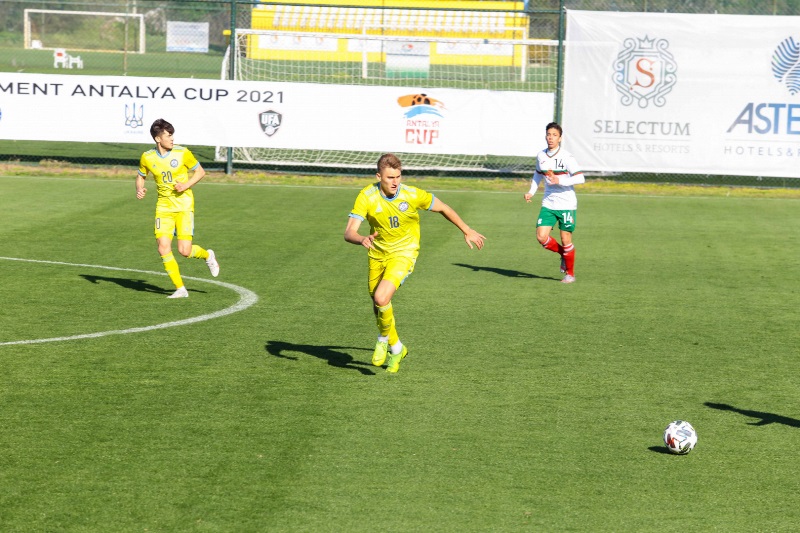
[389, 161]
[554, 126]
[159, 127]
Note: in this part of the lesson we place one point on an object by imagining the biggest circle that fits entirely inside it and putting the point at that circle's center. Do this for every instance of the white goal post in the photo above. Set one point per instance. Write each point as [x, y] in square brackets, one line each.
[500, 64]
[105, 32]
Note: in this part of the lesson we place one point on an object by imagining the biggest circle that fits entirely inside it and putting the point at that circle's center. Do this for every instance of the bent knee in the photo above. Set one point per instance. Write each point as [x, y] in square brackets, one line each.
[381, 300]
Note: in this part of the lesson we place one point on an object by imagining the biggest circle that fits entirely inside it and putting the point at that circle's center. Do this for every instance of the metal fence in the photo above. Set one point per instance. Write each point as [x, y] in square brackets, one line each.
[109, 47]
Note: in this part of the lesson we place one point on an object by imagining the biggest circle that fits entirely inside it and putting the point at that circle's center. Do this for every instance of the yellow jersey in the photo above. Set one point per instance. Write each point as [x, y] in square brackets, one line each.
[395, 219]
[167, 170]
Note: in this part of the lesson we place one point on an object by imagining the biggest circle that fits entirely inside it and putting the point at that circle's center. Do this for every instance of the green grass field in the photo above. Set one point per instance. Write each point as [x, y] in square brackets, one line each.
[162, 63]
[524, 405]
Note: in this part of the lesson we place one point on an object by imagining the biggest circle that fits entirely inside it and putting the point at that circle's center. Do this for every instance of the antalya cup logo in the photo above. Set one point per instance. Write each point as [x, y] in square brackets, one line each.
[645, 71]
[786, 65]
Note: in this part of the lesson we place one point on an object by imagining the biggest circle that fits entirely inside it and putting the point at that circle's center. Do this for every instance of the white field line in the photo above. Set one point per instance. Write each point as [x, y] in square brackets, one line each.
[246, 299]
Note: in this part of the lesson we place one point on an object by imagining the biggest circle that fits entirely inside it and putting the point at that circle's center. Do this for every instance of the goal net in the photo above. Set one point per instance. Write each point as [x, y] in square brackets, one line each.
[378, 59]
[95, 31]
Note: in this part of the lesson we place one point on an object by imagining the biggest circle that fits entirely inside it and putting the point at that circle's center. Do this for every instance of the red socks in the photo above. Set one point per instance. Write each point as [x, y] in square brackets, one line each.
[569, 258]
[552, 245]
[567, 252]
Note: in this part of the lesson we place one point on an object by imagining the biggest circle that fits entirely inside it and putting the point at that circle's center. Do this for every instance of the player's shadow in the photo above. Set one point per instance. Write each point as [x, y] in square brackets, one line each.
[504, 272]
[132, 284]
[763, 418]
[330, 354]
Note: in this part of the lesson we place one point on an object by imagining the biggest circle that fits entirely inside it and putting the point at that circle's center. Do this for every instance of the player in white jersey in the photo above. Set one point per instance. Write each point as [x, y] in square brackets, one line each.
[561, 173]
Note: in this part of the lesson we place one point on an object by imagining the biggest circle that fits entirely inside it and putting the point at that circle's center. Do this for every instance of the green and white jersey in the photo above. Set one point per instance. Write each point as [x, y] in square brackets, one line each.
[563, 165]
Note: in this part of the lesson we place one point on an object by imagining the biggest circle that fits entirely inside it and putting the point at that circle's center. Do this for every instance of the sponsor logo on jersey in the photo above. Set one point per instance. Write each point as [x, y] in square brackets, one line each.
[270, 121]
[645, 71]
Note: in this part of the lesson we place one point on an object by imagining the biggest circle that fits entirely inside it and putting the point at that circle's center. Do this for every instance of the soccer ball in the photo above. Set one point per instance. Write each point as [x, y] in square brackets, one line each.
[680, 437]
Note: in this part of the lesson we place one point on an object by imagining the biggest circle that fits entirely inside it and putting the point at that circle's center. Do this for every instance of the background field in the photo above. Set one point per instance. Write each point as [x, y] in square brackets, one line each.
[524, 405]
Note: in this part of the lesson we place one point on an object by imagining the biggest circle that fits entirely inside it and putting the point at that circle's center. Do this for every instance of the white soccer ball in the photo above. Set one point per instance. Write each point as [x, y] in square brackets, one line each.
[680, 437]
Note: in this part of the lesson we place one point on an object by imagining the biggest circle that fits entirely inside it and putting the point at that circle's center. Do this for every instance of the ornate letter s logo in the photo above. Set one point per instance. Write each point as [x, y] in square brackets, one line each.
[644, 71]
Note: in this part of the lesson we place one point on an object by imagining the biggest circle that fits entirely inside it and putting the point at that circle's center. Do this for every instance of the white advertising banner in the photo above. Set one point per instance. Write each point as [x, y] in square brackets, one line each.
[297, 42]
[51, 107]
[187, 36]
[689, 94]
[475, 49]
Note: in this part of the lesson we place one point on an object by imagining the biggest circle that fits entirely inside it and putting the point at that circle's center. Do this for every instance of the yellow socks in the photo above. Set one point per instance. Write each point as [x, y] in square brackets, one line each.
[171, 266]
[198, 253]
[386, 323]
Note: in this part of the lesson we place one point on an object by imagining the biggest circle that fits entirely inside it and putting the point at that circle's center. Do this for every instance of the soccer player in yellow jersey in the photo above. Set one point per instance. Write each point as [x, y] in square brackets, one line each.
[392, 211]
[170, 166]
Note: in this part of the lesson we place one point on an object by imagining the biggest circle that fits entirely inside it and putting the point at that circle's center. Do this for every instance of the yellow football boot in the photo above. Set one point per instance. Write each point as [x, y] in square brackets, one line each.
[379, 355]
[394, 360]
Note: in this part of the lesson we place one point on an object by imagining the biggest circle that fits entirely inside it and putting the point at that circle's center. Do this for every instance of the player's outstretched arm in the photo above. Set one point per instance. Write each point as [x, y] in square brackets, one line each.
[470, 235]
[352, 236]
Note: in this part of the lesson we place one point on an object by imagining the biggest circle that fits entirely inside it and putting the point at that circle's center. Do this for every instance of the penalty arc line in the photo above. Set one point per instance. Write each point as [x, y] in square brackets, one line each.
[246, 299]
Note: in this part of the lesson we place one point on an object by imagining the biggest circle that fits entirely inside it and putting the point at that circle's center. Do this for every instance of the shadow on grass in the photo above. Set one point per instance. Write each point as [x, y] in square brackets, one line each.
[326, 353]
[764, 418]
[504, 272]
[660, 449]
[133, 284]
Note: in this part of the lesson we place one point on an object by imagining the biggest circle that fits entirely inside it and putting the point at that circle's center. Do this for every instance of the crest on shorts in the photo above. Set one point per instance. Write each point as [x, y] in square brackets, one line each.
[269, 121]
[645, 71]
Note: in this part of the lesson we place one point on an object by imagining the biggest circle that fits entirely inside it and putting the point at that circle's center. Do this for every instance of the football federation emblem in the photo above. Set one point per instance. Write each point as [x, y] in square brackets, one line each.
[134, 118]
[269, 121]
[785, 64]
[645, 71]
[403, 207]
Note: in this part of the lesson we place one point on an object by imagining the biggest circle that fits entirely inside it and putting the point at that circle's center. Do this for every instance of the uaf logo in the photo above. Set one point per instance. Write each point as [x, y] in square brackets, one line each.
[270, 121]
[786, 64]
[645, 71]
[421, 115]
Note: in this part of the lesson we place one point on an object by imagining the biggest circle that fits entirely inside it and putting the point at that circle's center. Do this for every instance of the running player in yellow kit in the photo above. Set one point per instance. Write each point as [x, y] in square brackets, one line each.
[170, 166]
[391, 209]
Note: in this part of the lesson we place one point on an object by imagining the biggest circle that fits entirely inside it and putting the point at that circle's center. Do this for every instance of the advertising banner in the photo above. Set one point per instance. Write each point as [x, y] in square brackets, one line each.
[677, 93]
[187, 36]
[51, 107]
